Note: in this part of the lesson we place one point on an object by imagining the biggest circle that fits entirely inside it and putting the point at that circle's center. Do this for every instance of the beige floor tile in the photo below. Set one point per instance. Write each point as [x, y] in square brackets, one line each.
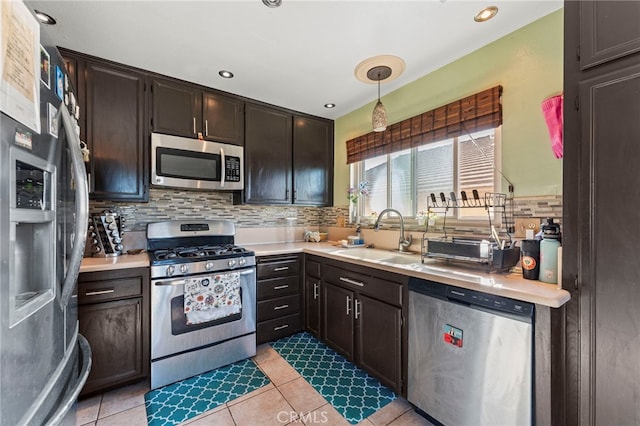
[411, 418]
[122, 399]
[366, 422]
[88, 409]
[90, 424]
[268, 408]
[390, 412]
[136, 416]
[325, 415]
[301, 395]
[221, 417]
[279, 371]
[265, 353]
[251, 394]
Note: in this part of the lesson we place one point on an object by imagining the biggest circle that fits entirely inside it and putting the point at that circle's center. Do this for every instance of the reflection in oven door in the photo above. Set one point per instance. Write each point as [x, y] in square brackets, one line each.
[171, 336]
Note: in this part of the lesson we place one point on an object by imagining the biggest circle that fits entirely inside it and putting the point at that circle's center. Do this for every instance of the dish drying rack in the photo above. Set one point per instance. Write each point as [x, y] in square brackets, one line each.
[495, 253]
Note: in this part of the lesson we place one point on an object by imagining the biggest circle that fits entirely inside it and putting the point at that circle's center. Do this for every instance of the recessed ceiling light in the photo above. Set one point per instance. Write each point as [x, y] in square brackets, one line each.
[486, 14]
[44, 18]
[225, 74]
[329, 105]
[272, 3]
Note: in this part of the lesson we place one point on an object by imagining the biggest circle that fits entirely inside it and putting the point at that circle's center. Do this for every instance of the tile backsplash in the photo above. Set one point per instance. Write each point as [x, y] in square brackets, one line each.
[167, 204]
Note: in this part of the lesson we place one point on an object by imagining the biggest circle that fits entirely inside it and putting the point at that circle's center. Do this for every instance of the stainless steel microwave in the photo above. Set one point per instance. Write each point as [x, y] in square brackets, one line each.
[178, 162]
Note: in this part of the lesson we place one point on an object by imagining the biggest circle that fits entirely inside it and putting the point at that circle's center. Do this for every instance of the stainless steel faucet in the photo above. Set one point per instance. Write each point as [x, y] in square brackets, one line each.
[403, 243]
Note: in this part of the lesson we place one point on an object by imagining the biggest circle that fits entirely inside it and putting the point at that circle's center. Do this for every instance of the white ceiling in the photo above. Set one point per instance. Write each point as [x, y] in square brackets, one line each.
[300, 56]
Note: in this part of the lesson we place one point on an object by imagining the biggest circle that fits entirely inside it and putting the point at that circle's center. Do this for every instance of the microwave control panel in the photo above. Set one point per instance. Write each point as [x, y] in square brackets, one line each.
[232, 169]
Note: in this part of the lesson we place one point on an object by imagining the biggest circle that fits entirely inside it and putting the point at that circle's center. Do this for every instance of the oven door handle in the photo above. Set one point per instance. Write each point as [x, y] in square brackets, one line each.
[182, 282]
[167, 283]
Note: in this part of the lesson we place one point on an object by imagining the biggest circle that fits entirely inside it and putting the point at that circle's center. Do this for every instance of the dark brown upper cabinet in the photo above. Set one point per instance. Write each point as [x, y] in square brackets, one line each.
[187, 110]
[112, 123]
[312, 161]
[267, 155]
[612, 31]
[288, 158]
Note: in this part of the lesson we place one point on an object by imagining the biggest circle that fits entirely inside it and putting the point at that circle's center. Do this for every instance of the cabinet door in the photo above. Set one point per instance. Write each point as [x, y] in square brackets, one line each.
[338, 315]
[267, 155]
[115, 132]
[609, 295]
[114, 332]
[176, 109]
[610, 30]
[379, 340]
[223, 118]
[312, 161]
[312, 305]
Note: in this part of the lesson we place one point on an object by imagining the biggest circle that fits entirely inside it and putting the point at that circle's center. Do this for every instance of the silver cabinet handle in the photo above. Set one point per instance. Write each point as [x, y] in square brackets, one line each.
[357, 310]
[350, 281]
[206, 127]
[281, 327]
[348, 305]
[99, 292]
[280, 287]
[194, 126]
[316, 291]
[281, 268]
[277, 308]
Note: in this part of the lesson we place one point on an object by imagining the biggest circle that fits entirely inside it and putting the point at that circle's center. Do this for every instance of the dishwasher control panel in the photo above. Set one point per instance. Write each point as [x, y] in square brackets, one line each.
[489, 301]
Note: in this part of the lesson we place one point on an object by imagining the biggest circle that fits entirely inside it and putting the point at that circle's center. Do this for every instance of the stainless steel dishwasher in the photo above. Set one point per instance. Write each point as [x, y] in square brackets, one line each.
[470, 356]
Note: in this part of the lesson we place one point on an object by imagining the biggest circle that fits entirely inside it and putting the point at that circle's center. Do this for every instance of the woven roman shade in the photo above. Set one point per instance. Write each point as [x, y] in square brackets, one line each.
[477, 112]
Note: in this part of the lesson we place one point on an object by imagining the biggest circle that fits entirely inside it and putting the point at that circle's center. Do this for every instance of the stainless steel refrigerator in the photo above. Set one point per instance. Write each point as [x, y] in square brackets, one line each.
[43, 220]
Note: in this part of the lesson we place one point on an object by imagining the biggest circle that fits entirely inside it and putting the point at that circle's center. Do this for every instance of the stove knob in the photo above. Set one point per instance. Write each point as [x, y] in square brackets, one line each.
[232, 263]
[184, 268]
[242, 261]
[170, 270]
[208, 265]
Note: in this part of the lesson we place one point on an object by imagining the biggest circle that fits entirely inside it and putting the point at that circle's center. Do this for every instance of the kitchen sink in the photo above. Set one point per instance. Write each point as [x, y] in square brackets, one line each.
[380, 256]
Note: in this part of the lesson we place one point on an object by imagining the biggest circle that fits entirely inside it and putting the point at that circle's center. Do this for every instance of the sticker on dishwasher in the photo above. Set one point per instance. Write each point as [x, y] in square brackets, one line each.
[452, 335]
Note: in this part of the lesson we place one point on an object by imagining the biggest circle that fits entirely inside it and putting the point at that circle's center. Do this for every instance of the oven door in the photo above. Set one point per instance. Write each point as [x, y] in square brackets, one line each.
[170, 334]
[195, 164]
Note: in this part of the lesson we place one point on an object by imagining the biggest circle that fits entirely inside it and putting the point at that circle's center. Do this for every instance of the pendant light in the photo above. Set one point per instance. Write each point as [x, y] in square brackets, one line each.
[379, 116]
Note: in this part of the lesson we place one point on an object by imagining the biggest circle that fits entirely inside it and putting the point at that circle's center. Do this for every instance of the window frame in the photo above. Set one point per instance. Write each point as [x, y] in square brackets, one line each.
[357, 175]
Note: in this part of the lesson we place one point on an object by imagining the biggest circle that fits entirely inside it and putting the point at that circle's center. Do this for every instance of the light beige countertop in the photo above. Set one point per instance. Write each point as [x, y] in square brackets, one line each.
[510, 285]
[95, 264]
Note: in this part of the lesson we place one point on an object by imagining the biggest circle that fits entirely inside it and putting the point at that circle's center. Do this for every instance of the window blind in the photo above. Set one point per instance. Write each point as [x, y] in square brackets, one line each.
[473, 113]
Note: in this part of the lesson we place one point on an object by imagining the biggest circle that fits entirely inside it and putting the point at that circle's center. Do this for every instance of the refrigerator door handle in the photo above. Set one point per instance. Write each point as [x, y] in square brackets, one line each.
[82, 206]
[72, 395]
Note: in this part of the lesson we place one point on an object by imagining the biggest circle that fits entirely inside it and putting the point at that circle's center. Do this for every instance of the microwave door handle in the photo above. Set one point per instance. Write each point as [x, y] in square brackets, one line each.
[223, 167]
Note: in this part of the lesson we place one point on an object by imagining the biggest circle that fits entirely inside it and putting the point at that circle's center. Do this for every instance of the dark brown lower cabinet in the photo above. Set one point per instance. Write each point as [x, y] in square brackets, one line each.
[113, 315]
[378, 339]
[312, 283]
[339, 324]
[362, 318]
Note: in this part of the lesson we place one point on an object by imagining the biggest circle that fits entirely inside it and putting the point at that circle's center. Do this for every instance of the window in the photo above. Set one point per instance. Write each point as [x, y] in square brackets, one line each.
[404, 180]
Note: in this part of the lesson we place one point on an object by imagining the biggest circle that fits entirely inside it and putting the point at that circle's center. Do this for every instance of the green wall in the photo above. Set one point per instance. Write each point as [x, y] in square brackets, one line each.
[526, 63]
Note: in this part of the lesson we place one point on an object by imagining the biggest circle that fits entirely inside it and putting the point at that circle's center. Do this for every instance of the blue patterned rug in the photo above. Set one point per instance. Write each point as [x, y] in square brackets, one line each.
[188, 398]
[351, 391]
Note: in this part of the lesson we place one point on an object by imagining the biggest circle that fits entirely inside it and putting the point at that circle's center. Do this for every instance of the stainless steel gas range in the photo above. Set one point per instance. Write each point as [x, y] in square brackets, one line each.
[203, 299]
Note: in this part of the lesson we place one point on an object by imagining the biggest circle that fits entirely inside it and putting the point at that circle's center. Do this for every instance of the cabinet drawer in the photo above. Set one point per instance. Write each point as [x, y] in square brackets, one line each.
[277, 328]
[278, 307]
[103, 290]
[312, 268]
[282, 268]
[386, 291]
[276, 287]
